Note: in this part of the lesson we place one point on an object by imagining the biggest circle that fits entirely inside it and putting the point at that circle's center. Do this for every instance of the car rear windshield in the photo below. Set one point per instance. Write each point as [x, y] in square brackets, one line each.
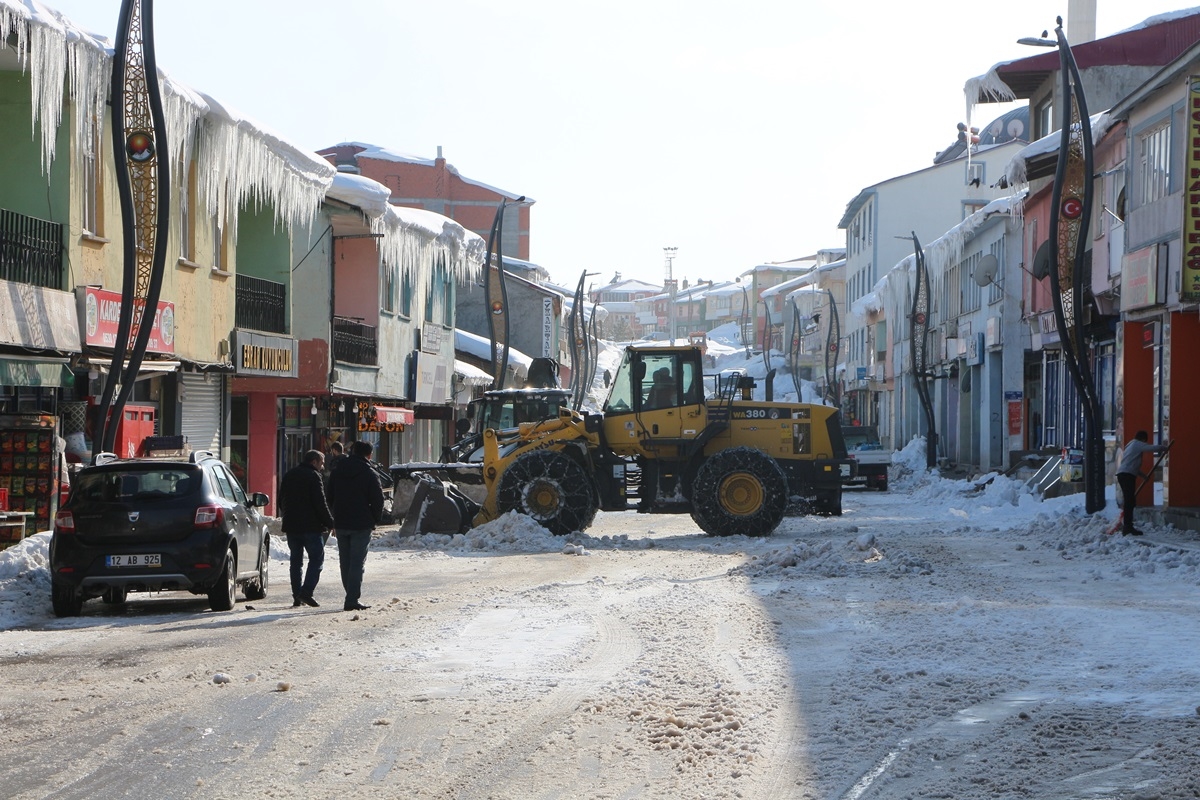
[136, 484]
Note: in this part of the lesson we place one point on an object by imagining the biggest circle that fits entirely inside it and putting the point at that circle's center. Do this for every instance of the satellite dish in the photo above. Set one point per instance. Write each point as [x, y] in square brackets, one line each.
[1041, 261]
[985, 271]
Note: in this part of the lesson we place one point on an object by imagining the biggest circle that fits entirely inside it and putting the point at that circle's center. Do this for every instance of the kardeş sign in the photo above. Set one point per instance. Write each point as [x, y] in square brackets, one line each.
[101, 312]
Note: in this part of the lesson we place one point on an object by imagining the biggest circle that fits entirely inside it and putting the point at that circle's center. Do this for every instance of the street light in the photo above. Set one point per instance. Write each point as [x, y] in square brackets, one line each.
[669, 254]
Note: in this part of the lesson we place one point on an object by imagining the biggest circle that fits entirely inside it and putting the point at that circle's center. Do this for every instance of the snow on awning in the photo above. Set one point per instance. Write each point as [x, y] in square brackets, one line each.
[471, 375]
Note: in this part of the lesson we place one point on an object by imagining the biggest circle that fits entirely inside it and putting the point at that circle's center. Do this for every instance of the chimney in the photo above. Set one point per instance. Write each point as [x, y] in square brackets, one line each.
[1081, 21]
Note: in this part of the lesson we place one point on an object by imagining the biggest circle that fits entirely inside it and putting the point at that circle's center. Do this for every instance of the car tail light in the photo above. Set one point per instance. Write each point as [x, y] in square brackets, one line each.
[64, 522]
[208, 517]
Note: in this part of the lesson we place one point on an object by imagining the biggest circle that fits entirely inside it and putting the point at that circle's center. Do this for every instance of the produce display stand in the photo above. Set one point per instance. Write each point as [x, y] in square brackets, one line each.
[29, 470]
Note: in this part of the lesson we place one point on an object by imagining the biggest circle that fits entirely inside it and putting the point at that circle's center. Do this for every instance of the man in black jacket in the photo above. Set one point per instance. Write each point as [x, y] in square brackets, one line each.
[306, 521]
[357, 500]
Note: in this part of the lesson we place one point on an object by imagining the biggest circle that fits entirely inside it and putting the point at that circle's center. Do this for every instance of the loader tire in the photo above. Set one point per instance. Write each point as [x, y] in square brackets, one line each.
[739, 491]
[551, 488]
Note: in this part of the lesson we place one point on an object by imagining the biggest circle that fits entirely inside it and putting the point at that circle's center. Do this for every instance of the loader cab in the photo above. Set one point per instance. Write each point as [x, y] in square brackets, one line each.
[657, 393]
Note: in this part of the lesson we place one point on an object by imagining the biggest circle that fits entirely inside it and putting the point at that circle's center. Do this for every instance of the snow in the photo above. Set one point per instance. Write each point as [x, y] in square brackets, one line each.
[475, 345]
[986, 506]
[837, 648]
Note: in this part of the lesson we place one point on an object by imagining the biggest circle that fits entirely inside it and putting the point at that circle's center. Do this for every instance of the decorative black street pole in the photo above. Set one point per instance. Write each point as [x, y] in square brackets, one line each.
[143, 184]
[581, 352]
[919, 342]
[795, 348]
[833, 351]
[1071, 204]
[497, 297]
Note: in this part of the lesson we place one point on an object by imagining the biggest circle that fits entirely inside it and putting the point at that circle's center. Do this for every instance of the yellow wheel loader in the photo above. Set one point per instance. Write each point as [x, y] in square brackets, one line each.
[661, 445]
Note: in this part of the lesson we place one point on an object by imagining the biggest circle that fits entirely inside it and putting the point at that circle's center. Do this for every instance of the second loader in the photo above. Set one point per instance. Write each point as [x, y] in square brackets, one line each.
[662, 444]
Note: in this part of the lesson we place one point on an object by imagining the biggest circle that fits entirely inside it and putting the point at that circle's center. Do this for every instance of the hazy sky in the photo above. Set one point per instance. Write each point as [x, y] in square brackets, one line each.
[735, 132]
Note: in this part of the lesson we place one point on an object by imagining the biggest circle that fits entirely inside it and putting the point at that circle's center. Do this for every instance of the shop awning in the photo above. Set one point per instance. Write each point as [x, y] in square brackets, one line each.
[35, 372]
[471, 375]
[391, 414]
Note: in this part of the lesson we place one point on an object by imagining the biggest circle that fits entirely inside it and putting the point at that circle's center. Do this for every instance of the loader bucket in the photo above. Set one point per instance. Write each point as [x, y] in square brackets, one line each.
[438, 506]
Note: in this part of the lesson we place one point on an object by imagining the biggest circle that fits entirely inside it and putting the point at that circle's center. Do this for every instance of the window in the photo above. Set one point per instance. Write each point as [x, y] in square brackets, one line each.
[91, 168]
[187, 216]
[439, 302]
[996, 287]
[406, 295]
[239, 436]
[218, 244]
[1044, 118]
[975, 174]
[1154, 163]
[387, 286]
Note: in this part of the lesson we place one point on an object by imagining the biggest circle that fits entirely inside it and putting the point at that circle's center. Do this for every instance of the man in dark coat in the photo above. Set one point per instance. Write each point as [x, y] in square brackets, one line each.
[306, 521]
[357, 500]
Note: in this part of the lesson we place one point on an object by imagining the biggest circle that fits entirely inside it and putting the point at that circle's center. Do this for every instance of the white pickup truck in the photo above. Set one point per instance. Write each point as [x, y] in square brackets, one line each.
[862, 444]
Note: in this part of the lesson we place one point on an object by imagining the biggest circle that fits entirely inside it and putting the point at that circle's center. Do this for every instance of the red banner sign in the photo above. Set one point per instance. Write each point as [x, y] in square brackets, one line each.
[102, 313]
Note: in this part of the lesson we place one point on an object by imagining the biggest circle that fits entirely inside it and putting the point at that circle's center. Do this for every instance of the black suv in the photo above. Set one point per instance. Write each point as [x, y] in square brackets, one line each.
[154, 524]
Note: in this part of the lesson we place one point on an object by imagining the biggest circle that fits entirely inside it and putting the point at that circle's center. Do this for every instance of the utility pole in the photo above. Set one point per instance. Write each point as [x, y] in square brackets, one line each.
[669, 252]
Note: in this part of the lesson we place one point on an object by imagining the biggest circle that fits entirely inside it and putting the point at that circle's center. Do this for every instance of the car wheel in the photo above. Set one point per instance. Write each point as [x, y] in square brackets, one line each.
[257, 588]
[115, 596]
[66, 599]
[223, 592]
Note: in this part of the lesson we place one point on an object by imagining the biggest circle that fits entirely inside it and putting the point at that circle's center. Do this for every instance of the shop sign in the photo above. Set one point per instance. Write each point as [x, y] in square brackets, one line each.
[431, 338]
[547, 327]
[1190, 288]
[385, 419]
[269, 356]
[102, 314]
[1139, 278]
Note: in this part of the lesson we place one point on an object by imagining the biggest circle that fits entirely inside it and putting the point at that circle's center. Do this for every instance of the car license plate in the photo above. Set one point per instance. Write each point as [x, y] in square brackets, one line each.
[138, 560]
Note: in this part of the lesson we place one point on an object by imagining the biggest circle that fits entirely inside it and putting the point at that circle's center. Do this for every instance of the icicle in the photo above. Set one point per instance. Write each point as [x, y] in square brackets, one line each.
[988, 86]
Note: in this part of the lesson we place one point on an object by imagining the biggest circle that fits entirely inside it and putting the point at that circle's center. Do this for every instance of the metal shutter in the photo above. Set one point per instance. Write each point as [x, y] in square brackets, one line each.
[201, 411]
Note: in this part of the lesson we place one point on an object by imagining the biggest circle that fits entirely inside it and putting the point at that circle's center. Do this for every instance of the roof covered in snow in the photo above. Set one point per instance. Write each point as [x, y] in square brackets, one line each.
[367, 150]
[1155, 41]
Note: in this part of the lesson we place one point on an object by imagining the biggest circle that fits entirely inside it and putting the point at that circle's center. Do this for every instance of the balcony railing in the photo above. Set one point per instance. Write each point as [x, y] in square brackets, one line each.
[31, 250]
[354, 342]
[261, 305]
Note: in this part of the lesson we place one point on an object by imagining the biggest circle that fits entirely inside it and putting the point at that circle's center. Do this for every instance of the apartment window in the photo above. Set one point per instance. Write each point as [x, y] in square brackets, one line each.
[1044, 118]
[387, 286]
[975, 174]
[439, 302]
[218, 245]
[996, 287]
[406, 295]
[91, 168]
[187, 216]
[1154, 163]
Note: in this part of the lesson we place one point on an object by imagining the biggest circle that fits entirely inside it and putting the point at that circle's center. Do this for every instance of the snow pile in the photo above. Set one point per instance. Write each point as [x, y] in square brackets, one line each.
[510, 533]
[860, 556]
[25, 579]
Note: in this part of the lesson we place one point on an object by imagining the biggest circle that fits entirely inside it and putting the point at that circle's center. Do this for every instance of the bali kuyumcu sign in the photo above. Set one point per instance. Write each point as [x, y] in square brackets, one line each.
[1190, 289]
